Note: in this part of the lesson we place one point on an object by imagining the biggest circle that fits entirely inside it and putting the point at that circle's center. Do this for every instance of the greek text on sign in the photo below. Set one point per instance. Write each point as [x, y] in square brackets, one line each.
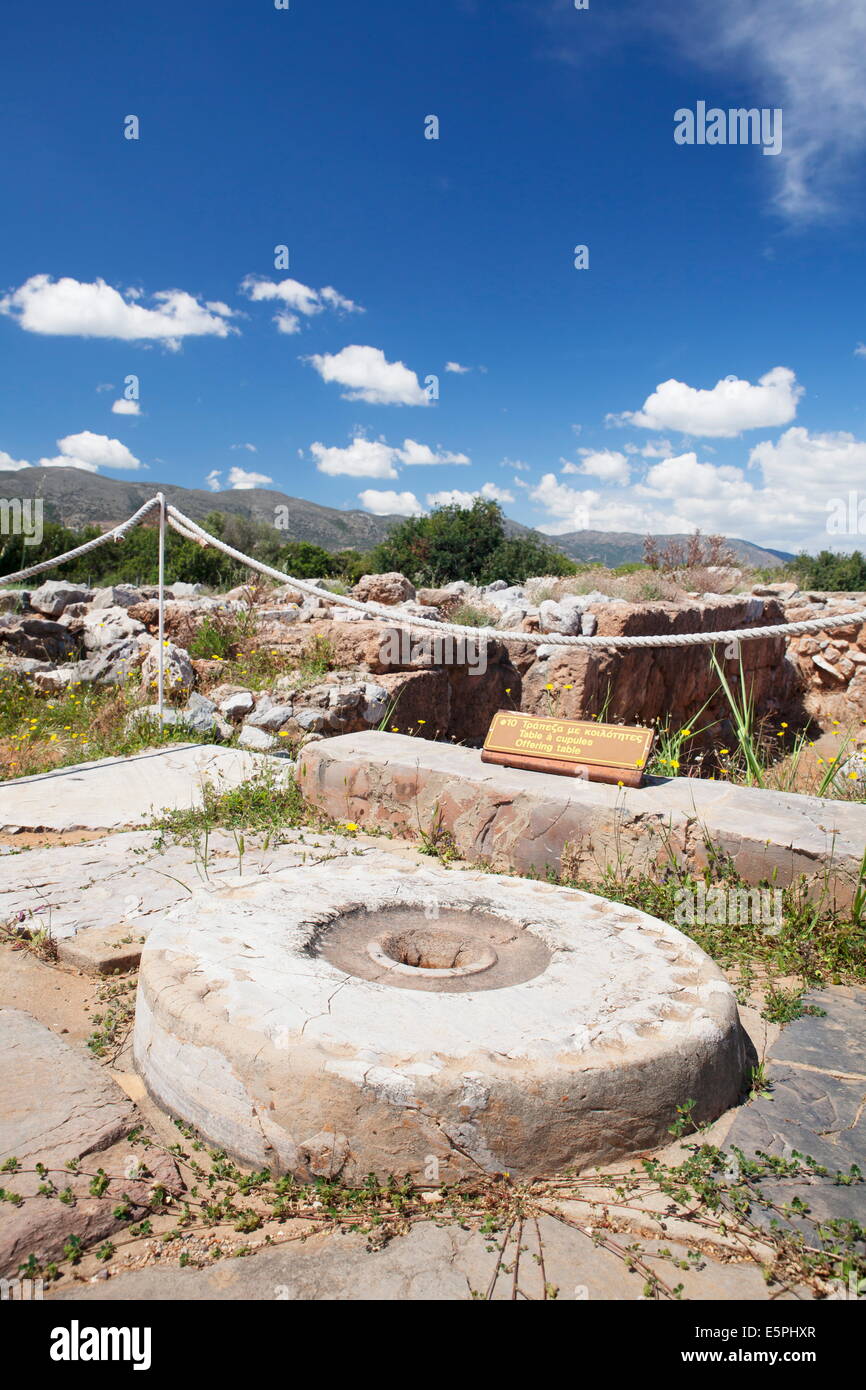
[569, 740]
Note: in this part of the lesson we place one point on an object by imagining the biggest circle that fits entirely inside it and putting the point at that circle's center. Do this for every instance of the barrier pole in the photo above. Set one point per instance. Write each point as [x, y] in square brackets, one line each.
[161, 678]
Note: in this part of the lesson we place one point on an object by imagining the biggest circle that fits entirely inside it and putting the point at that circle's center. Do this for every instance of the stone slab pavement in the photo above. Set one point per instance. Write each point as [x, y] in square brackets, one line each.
[57, 1103]
[522, 821]
[100, 898]
[434, 1261]
[816, 1104]
[114, 793]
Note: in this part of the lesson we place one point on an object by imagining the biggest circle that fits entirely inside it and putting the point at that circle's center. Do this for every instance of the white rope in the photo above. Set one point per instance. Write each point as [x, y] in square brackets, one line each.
[116, 534]
[191, 531]
[189, 528]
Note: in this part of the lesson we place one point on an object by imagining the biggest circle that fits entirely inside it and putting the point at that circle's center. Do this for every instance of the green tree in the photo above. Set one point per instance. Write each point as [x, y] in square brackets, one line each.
[455, 542]
[829, 570]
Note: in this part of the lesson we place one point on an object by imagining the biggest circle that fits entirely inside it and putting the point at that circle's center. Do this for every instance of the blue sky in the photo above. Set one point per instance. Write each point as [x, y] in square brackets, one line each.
[585, 397]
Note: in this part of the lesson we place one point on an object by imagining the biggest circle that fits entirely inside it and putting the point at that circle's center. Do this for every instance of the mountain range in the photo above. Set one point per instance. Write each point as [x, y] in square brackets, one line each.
[77, 498]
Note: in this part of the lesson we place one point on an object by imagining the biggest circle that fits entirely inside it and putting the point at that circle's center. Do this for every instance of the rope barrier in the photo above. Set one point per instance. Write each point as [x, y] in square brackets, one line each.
[190, 530]
[682, 639]
[116, 534]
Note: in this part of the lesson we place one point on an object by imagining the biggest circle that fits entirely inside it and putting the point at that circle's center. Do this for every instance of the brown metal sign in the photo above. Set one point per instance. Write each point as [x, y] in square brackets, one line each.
[576, 748]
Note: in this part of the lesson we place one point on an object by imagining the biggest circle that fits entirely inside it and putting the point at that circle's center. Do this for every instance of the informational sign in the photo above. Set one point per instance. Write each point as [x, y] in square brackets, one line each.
[571, 747]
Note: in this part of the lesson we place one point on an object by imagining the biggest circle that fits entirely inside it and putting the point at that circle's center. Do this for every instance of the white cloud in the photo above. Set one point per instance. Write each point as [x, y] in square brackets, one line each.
[569, 506]
[296, 298]
[730, 407]
[72, 308]
[370, 376]
[807, 59]
[413, 453]
[367, 458]
[390, 503]
[782, 500]
[456, 367]
[241, 481]
[517, 464]
[605, 464]
[213, 480]
[363, 458]
[125, 407]
[250, 448]
[813, 462]
[11, 465]
[653, 449]
[455, 497]
[684, 476]
[97, 450]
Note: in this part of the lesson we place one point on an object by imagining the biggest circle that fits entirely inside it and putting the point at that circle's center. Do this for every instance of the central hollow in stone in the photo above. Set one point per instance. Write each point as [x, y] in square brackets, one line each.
[440, 953]
[454, 949]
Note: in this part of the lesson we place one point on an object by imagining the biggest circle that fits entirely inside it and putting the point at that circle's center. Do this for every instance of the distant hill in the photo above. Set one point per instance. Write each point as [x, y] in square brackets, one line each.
[614, 548]
[78, 499]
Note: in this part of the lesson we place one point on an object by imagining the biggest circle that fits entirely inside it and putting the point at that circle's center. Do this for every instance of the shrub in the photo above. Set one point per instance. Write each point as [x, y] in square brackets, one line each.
[470, 543]
[831, 571]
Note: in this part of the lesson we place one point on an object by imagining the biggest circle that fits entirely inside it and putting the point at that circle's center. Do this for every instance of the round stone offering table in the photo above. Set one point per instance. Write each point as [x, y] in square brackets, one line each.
[349, 1017]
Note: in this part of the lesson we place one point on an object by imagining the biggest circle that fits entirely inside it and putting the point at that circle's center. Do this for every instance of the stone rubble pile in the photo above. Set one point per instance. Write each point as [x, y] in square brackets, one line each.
[60, 634]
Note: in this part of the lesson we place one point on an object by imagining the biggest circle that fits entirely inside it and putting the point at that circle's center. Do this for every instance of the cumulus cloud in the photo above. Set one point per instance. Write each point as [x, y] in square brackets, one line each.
[11, 465]
[455, 497]
[213, 480]
[369, 376]
[125, 407]
[569, 507]
[800, 460]
[517, 464]
[653, 449]
[605, 464]
[363, 458]
[782, 499]
[92, 451]
[413, 453]
[456, 367]
[730, 407]
[73, 308]
[296, 298]
[241, 481]
[390, 503]
[367, 458]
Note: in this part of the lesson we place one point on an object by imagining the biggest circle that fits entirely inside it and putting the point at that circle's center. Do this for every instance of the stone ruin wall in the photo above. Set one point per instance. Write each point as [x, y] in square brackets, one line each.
[822, 677]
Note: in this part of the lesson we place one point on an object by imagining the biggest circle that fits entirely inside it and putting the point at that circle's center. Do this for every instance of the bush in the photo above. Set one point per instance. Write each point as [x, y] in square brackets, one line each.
[831, 571]
[469, 543]
[135, 560]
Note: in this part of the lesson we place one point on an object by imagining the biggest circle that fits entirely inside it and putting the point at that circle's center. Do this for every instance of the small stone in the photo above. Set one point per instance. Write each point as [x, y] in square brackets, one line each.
[256, 739]
[272, 717]
[390, 588]
[56, 594]
[237, 705]
[310, 720]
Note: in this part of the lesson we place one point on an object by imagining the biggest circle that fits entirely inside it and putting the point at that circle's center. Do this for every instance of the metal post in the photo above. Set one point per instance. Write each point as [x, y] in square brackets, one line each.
[161, 604]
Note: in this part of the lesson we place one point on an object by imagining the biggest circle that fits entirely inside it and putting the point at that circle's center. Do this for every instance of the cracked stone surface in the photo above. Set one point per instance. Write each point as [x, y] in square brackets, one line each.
[114, 793]
[100, 898]
[522, 821]
[56, 1104]
[247, 1030]
[432, 1262]
[816, 1105]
